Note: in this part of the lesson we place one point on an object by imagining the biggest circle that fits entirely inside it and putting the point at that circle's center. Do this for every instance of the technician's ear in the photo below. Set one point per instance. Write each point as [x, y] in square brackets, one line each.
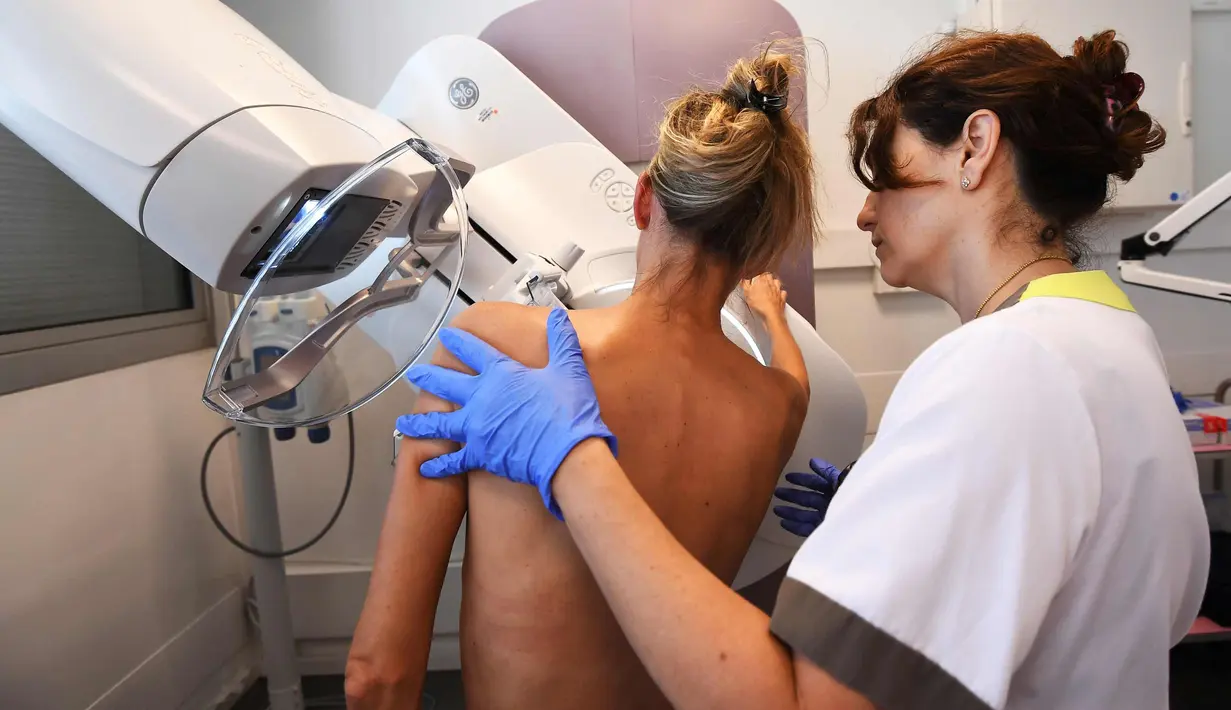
[980, 140]
[643, 201]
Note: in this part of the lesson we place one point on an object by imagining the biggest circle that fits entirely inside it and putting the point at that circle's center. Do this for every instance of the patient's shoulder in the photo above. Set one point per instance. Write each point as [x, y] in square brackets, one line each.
[770, 413]
[516, 330]
[790, 393]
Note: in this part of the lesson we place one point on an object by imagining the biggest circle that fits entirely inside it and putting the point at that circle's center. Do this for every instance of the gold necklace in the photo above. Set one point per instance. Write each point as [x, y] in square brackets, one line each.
[1013, 275]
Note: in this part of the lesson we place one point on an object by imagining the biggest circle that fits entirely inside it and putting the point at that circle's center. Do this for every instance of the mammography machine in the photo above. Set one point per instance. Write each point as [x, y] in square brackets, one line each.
[207, 138]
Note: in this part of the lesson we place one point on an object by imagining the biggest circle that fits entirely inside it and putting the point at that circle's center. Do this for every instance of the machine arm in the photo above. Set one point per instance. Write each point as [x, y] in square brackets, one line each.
[1163, 237]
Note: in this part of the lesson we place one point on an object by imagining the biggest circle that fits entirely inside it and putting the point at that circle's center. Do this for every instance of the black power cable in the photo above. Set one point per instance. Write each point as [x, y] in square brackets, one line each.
[209, 507]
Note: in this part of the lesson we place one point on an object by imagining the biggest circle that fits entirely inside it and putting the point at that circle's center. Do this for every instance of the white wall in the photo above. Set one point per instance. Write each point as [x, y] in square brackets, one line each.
[117, 590]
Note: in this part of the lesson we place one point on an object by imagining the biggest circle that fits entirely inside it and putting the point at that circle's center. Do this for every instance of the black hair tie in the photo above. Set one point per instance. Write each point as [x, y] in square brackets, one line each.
[765, 103]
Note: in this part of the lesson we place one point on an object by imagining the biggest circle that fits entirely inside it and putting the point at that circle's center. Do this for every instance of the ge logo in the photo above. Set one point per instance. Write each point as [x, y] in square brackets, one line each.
[463, 93]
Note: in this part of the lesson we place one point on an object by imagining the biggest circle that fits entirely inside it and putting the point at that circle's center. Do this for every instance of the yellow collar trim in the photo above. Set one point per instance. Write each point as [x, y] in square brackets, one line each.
[1093, 286]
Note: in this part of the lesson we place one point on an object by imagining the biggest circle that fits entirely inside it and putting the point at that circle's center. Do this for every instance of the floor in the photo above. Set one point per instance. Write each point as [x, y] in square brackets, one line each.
[1200, 675]
[442, 691]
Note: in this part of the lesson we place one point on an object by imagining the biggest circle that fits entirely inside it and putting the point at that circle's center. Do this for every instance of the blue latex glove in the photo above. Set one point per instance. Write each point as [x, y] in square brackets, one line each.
[813, 502]
[516, 422]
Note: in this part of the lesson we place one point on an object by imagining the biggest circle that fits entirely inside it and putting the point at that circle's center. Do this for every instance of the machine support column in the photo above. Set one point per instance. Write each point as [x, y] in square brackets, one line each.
[269, 575]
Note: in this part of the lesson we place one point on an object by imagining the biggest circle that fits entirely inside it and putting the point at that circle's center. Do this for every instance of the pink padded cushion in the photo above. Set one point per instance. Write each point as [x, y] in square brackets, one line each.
[611, 65]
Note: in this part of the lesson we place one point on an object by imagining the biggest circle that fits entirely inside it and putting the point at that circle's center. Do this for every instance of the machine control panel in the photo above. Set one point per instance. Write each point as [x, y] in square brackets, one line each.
[338, 240]
[601, 179]
[619, 196]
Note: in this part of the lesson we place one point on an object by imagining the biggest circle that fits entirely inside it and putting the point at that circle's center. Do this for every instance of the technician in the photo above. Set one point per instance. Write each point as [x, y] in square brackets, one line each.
[1025, 532]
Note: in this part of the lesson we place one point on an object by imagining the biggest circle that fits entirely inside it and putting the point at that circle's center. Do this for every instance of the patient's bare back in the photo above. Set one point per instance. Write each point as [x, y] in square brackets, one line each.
[704, 431]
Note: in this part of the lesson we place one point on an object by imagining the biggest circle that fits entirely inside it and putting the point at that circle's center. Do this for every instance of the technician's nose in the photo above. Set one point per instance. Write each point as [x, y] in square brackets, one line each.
[867, 216]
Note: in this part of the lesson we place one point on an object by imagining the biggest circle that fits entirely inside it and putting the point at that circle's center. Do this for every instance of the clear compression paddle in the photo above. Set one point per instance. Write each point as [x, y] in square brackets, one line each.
[299, 359]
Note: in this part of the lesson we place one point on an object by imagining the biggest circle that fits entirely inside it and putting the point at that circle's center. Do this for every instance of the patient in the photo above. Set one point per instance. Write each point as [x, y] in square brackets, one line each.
[704, 430]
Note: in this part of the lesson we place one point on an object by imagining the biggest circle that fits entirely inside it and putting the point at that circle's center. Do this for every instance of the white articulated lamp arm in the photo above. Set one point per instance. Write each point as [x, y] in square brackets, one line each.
[1163, 237]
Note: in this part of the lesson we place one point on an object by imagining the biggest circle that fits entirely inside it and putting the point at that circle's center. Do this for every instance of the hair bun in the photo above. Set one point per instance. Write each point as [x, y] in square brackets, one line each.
[1132, 132]
[733, 173]
[763, 83]
[1103, 58]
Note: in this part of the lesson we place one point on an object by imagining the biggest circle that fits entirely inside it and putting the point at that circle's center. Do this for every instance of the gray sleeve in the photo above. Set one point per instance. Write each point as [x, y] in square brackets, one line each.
[890, 674]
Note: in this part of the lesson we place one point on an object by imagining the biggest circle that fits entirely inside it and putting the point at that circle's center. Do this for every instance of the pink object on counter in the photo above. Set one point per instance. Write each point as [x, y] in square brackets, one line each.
[1204, 626]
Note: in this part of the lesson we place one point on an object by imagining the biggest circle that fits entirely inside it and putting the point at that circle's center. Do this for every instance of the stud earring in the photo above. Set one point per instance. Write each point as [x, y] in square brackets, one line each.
[965, 183]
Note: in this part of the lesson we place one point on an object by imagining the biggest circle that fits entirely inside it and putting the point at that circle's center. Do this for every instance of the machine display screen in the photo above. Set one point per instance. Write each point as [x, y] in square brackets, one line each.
[329, 240]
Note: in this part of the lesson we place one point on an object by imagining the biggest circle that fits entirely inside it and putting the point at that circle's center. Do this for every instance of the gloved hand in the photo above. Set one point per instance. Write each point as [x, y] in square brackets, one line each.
[516, 422]
[814, 502]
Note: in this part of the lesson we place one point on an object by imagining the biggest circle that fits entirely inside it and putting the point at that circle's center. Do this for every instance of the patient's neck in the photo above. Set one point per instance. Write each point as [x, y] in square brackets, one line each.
[673, 288]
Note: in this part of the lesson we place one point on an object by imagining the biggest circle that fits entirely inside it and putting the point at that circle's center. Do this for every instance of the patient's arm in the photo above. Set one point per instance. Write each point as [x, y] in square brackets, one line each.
[388, 656]
[767, 298]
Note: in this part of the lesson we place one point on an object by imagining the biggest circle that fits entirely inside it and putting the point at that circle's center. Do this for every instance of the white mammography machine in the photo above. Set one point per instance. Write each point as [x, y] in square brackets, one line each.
[207, 138]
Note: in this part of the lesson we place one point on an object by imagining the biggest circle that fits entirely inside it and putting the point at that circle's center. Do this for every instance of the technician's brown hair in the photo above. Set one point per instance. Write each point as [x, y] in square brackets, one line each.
[732, 178]
[1053, 112]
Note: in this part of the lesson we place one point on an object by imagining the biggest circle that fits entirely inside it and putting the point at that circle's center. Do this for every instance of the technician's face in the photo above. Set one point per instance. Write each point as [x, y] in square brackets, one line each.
[911, 228]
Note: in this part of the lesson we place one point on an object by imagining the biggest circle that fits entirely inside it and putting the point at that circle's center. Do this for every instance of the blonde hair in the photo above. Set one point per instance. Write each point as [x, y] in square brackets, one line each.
[732, 178]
